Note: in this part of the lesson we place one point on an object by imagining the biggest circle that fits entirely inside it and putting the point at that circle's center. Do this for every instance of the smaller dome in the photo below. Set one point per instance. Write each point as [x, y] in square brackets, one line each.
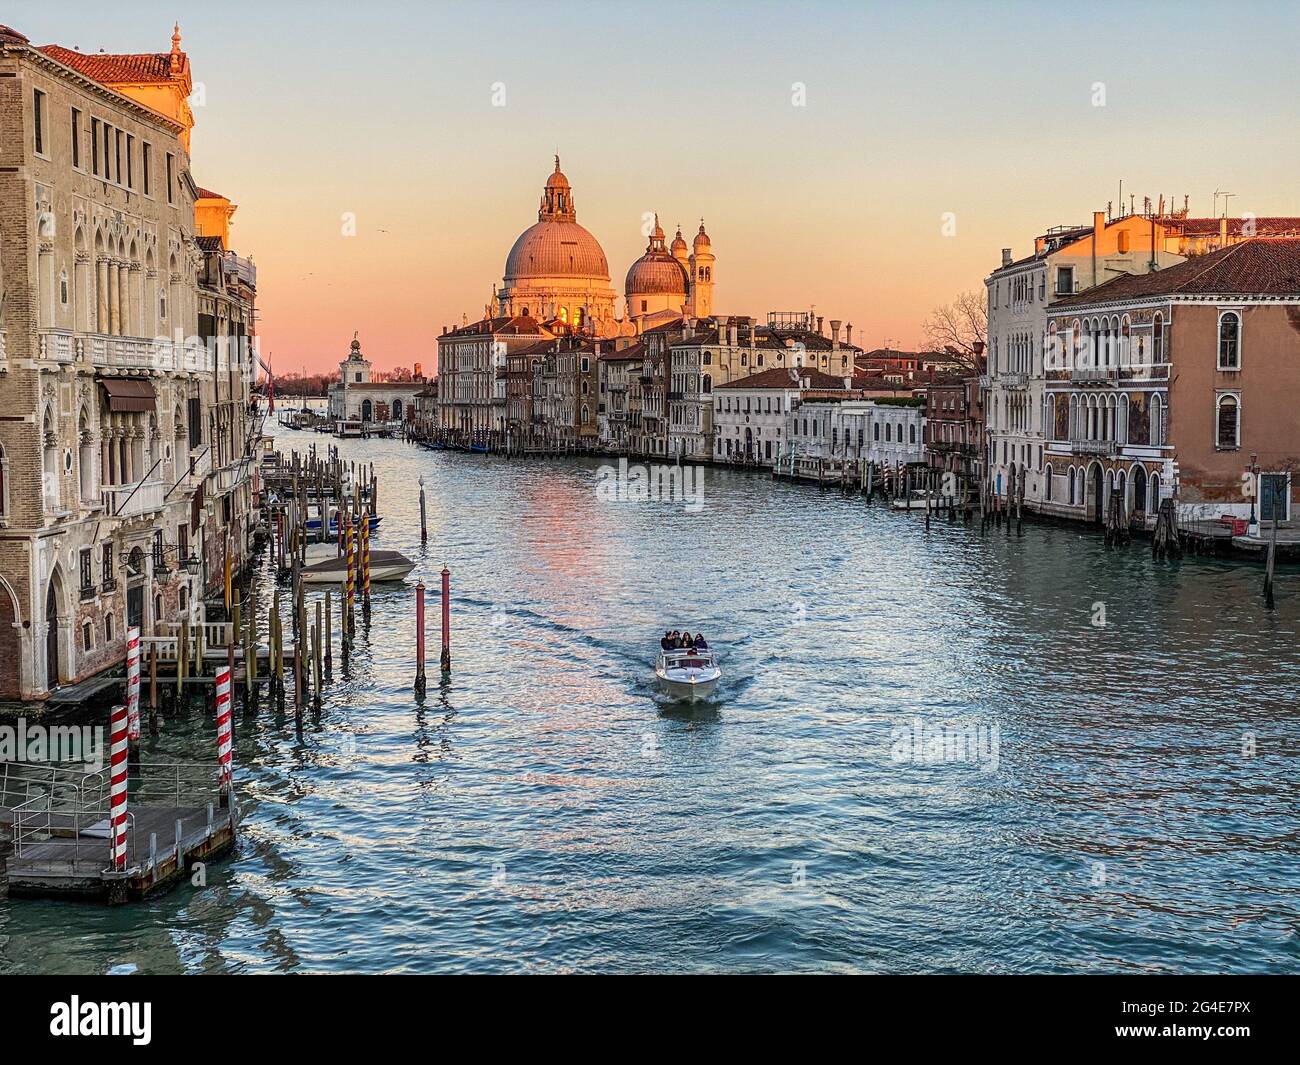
[679, 245]
[557, 180]
[702, 239]
[655, 274]
[355, 345]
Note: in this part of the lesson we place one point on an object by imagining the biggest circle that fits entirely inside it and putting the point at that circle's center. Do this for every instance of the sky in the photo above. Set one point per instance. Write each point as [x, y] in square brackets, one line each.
[926, 138]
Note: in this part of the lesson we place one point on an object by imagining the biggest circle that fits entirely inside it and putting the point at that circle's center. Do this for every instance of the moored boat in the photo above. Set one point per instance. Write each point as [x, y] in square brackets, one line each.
[384, 566]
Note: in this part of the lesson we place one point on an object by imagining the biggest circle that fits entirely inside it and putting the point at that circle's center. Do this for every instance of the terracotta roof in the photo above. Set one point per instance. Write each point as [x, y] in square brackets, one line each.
[631, 353]
[518, 325]
[208, 194]
[788, 377]
[1272, 225]
[1263, 266]
[146, 68]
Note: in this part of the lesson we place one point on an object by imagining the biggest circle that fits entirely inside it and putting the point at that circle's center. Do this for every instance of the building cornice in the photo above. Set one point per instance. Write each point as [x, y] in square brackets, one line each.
[98, 88]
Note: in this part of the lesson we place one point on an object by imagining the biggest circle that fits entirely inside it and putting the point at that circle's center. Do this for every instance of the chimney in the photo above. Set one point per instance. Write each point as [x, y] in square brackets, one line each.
[835, 334]
[1006, 256]
[1098, 223]
[819, 326]
[848, 334]
[1223, 231]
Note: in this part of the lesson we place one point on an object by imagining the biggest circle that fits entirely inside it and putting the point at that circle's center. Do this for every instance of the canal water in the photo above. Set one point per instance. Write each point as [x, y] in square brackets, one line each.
[931, 752]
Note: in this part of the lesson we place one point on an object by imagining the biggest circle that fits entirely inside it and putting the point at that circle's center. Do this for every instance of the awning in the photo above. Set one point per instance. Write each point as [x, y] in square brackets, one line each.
[128, 395]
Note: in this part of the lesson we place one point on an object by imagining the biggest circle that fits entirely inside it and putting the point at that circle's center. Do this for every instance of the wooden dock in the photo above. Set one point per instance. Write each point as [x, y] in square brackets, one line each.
[57, 821]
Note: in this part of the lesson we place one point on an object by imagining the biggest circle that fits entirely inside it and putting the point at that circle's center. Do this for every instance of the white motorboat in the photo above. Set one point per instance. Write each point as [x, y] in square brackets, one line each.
[915, 501]
[384, 566]
[687, 672]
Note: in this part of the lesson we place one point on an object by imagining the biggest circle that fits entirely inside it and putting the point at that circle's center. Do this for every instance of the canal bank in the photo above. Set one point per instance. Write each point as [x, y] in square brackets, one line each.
[545, 810]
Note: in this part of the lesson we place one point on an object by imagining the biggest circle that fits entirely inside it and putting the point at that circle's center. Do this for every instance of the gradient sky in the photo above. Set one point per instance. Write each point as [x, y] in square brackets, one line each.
[913, 110]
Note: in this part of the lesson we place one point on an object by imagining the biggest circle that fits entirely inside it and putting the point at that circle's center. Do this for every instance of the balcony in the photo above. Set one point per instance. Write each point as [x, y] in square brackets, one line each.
[1094, 375]
[1094, 447]
[1014, 380]
[55, 345]
[134, 500]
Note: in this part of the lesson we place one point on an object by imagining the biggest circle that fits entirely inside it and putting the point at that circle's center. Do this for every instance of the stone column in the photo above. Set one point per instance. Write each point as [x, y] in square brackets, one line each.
[114, 300]
[124, 298]
[101, 296]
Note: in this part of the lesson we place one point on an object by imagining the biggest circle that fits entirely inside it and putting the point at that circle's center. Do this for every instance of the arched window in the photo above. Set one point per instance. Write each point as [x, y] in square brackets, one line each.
[911, 434]
[1157, 421]
[1230, 341]
[1155, 492]
[1047, 483]
[708, 384]
[1158, 339]
[876, 430]
[1229, 423]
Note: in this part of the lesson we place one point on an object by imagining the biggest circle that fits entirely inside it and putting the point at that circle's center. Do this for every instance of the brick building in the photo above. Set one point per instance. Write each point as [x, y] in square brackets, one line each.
[125, 426]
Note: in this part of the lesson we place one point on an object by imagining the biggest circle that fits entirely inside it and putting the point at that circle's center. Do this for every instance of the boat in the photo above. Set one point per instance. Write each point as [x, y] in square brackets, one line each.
[687, 672]
[313, 524]
[915, 501]
[384, 566]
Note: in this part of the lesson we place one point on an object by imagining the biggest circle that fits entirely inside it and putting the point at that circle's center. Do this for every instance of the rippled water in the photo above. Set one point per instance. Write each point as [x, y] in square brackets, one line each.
[547, 810]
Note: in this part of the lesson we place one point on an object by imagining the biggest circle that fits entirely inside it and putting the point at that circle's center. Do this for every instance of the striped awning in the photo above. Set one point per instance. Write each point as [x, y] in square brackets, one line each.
[127, 395]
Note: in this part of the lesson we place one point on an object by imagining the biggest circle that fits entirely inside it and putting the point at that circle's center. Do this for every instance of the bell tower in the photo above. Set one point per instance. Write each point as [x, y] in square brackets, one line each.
[700, 304]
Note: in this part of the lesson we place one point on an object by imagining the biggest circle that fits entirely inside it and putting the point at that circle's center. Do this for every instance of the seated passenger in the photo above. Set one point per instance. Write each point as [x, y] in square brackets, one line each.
[700, 643]
[667, 642]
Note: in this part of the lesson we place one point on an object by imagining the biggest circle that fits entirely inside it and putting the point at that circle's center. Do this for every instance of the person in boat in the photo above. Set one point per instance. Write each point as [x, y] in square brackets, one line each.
[700, 644]
[685, 639]
[667, 642]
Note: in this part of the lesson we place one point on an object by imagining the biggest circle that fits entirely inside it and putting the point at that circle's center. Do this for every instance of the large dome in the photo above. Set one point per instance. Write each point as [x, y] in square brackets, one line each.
[555, 248]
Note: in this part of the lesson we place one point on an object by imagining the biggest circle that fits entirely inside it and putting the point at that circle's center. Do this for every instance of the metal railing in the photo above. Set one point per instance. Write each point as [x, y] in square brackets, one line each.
[66, 813]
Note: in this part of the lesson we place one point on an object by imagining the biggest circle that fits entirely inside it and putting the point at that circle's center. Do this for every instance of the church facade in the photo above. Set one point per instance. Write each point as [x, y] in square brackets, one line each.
[358, 397]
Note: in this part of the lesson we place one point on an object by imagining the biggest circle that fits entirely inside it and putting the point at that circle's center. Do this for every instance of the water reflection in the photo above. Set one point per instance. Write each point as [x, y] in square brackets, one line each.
[546, 808]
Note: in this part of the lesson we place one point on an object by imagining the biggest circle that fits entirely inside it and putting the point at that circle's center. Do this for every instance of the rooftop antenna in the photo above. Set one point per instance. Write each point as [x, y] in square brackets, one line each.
[1226, 197]
[1121, 196]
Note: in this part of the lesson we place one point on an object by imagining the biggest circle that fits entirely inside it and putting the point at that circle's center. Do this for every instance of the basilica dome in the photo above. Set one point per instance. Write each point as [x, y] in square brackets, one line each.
[555, 248]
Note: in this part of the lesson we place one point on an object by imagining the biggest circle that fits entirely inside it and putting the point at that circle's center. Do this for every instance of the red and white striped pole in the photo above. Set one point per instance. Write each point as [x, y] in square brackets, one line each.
[117, 754]
[225, 773]
[133, 684]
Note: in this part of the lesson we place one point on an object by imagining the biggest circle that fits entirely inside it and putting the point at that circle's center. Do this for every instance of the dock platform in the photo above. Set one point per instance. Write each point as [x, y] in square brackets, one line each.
[57, 822]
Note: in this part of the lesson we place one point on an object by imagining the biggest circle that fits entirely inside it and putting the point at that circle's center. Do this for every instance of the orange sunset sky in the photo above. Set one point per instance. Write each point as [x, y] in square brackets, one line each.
[305, 112]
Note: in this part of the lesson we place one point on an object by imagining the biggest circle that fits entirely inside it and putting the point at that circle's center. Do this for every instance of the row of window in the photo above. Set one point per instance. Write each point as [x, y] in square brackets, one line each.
[112, 150]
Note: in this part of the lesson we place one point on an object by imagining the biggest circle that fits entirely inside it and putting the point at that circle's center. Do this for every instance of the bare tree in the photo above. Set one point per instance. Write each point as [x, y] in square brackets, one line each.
[959, 328]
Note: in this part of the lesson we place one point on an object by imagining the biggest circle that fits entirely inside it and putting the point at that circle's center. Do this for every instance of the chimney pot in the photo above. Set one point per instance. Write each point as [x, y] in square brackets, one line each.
[848, 334]
[1006, 256]
[819, 326]
[835, 334]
